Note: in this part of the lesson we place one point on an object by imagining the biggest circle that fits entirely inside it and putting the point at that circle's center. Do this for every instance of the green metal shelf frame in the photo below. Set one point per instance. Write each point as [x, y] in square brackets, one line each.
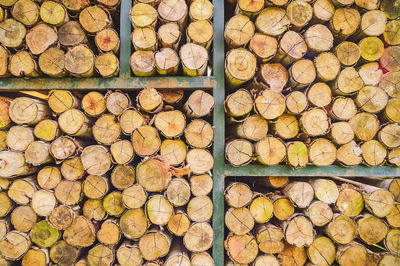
[216, 83]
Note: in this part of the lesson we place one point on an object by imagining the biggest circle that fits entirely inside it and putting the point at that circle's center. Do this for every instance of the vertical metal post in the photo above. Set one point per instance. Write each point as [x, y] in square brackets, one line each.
[219, 125]
[125, 35]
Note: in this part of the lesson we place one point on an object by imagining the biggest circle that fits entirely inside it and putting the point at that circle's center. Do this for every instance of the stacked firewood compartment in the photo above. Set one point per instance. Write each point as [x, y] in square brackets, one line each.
[94, 178]
[313, 82]
[171, 37]
[59, 38]
[329, 221]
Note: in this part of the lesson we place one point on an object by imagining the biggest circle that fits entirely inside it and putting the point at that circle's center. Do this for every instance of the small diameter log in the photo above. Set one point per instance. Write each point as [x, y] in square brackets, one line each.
[389, 82]
[200, 161]
[22, 64]
[144, 39]
[6, 206]
[373, 153]
[350, 202]
[394, 156]
[200, 209]
[239, 152]
[52, 62]
[364, 125]
[343, 108]
[37, 153]
[270, 151]
[371, 48]
[153, 175]
[122, 152]
[201, 185]
[71, 34]
[292, 48]
[13, 164]
[122, 176]
[327, 66]
[93, 104]
[202, 258]
[341, 133]
[169, 35]
[128, 254]
[201, 10]
[61, 217]
[170, 123]
[348, 82]
[322, 251]
[53, 13]
[96, 160]
[315, 122]
[106, 131]
[272, 21]
[68, 192]
[391, 112]
[319, 213]
[371, 229]
[318, 38]
[166, 62]
[371, 74]
[95, 187]
[43, 235]
[177, 255]
[200, 32]
[296, 102]
[355, 253]
[300, 193]
[269, 238]
[299, 13]
[107, 65]
[348, 53]
[345, 22]
[299, 231]
[253, 128]
[261, 209]
[178, 192]
[107, 40]
[35, 40]
[283, 208]
[238, 31]
[72, 169]
[173, 11]
[263, 46]
[14, 245]
[146, 141]
[43, 202]
[113, 204]
[93, 209]
[286, 126]
[155, 244]
[26, 12]
[292, 255]
[18, 30]
[270, 104]
[325, 190]
[4, 56]
[179, 224]
[239, 73]
[199, 134]
[109, 233]
[194, 59]
[100, 254]
[199, 104]
[94, 19]
[372, 99]
[46, 130]
[18, 138]
[150, 100]
[238, 195]
[389, 259]
[79, 61]
[48, 177]
[143, 15]
[273, 76]
[302, 73]
[63, 254]
[389, 135]
[241, 249]
[23, 218]
[391, 36]
[389, 58]
[21, 191]
[133, 223]
[341, 229]
[373, 23]
[323, 10]
[81, 233]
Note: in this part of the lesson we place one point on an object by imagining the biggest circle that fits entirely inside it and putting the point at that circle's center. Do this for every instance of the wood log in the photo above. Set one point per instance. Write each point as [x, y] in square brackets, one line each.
[321, 251]
[319, 213]
[12, 33]
[144, 39]
[166, 62]
[72, 169]
[292, 255]
[194, 59]
[63, 254]
[201, 185]
[274, 76]
[201, 10]
[239, 152]
[48, 177]
[23, 218]
[327, 66]
[53, 13]
[61, 217]
[272, 21]
[71, 34]
[26, 12]
[200, 209]
[13, 164]
[239, 73]
[52, 62]
[93, 209]
[179, 224]
[199, 104]
[35, 255]
[292, 48]
[4, 57]
[173, 11]
[79, 61]
[350, 202]
[143, 15]
[22, 64]
[241, 249]
[107, 65]
[169, 35]
[341, 229]
[286, 126]
[355, 253]
[155, 244]
[128, 254]
[269, 238]
[14, 245]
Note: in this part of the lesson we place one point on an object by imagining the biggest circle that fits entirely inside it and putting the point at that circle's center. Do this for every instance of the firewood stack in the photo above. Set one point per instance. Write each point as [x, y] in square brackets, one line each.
[271, 221]
[104, 179]
[59, 38]
[169, 35]
[313, 82]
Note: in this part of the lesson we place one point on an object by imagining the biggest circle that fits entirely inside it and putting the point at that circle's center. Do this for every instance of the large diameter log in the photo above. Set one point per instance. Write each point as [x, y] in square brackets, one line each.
[238, 31]
[35, 255]
[371, 229]
[95, 187]
[263, 46]
[63, 253]
[343, 108]
[14, 245]
[301, 193]
[61, 217]
[52, 62]
[241, 249]
[23, 218]
[327, 66]
[94, 18]
[48, 177]
[253, 128]
[43, 202]
[199, 104]
[19, 137]
[270, 238]
[61, 100]
[341, 229]
[107, 65]
[64, 147]
[43, 235]
[341, 133]
[26, 12]
[373, 153]
[392, 240]
[128, 254]
[93, 104]
[81, 233]
[170, 123]
[79, 61]
[199, 134]
[173, 11]
[315, 122]
[96, 160]
[299, 13]
[238, 195]
[270, 151]
[38, 153]
[372, 75]
[239, 152]
[166, 62]
[151, 182]
[379, 202]
[194, 59]
[200, 209]
[348, 53]
[274, 76]
[292, 48]
[155, 244]
[287, 126]
[106, 131]
[270, 104]
[302, 73]
[109, 232]
[323, 10]
[113, 205]
[93, 209]
[200, 161]
[144, 39]
[299, 231]
[23, 64]
[12, 33]
[13, 164]
[122, 152]
[200, 32]
[239, 73]
[350, 202]
[322, 251]
[371, 48]
[319, 213]
[325, 190]
[355, 253]
[345, 21]
[292, 255]
[72, 169]
[201, 185]
[71, 34]
[365, 126]
[4, 56]
[272, 21]
[296, 102]
[40, 37]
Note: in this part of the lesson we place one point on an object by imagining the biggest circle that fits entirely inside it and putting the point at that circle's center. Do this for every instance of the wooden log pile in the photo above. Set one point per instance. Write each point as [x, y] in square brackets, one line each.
[171, 37]
[97, 179]
[277, 221]
[59, 38]
[313, 82]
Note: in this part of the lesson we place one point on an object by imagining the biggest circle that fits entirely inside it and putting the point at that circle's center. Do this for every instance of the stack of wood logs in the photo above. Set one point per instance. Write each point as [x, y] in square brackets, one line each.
[168, 34]
[313, 82]
[95, 179]
[59, 38]
[272, 221]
